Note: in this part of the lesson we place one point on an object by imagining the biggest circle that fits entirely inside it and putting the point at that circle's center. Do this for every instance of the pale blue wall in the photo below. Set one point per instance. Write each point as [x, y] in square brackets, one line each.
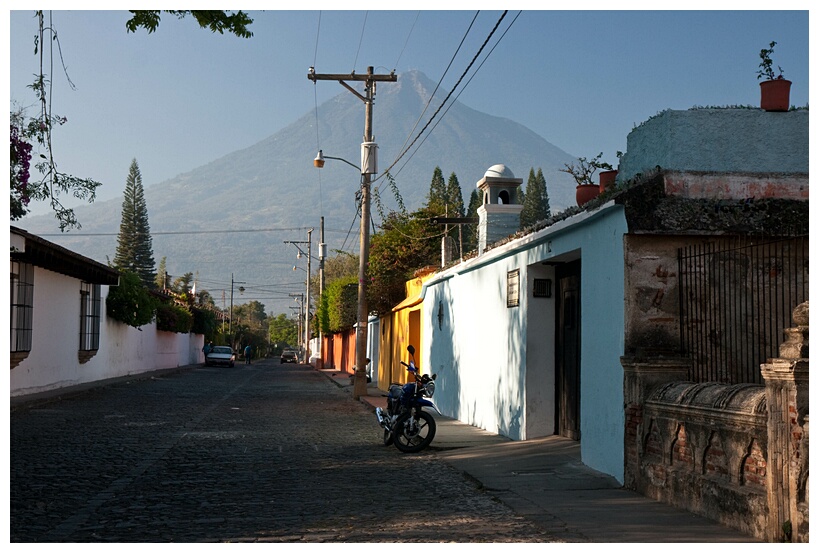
[719, 141]
[478, 346]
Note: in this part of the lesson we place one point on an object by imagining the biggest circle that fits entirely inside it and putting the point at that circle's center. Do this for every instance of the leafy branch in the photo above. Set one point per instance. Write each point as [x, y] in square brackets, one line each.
[766, 65]
[27, 131]
[583, 172]
[216, 20]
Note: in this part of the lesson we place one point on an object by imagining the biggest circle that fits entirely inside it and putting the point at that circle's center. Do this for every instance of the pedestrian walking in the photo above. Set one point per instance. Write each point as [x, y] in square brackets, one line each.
[248, 351]
[206, 349]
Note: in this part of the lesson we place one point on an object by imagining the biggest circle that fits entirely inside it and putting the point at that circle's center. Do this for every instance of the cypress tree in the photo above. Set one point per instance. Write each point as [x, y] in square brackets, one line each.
[159, 281]
[455, 199]
[471, 231]
[437, 198]
[545, 207]
[535, 200]
[134, 249]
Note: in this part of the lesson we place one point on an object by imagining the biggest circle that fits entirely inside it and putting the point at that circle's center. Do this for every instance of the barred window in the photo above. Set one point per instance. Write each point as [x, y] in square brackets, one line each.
[89, 316]
[22, 305]
[513, 288]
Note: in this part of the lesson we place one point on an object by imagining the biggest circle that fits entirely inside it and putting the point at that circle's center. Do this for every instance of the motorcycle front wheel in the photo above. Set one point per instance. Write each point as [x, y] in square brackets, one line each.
[412, 434]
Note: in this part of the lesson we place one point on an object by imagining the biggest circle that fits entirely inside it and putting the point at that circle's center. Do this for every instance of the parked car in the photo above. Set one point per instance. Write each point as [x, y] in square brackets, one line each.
[289, 356]
[221, 355]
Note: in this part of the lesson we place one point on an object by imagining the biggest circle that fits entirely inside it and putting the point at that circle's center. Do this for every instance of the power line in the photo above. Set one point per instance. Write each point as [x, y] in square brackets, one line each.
[406, 41]
[171, 233]
[360, 40]
[437, 86]
[434, 115]
[462, 90]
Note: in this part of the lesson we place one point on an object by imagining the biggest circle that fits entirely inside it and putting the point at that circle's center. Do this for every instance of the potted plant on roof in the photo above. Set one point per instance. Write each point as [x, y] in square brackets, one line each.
[775, 89]
[608, 177]
[583, 174]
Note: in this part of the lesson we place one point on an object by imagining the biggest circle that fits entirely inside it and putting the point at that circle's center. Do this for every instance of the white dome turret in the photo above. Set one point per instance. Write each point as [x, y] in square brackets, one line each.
[499, 171]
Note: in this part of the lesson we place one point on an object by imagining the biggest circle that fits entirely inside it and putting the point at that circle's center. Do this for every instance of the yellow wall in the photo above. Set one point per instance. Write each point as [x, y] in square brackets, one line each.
[399, 329]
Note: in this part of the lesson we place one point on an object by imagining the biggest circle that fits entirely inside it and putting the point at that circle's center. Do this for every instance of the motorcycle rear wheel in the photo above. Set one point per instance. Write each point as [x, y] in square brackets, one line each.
[388, 439]
[412, 436]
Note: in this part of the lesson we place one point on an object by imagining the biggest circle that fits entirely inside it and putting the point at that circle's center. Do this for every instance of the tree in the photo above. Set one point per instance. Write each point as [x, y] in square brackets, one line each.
[282, 331]
[536, 200]
[471, 231]
[454, 197]
[130, 302]
[437, 197]
[161, 273]
[405, 244]
[338, 306]
[183, 285]
[134, 250]
[216, 20]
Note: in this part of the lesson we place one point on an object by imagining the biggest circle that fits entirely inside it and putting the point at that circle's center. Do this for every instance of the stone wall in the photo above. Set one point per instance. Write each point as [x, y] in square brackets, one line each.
[735, 453]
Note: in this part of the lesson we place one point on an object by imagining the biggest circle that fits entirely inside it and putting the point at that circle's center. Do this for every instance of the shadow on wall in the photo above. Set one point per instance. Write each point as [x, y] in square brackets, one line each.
[504, 386]
[444, 357]
[509, 390]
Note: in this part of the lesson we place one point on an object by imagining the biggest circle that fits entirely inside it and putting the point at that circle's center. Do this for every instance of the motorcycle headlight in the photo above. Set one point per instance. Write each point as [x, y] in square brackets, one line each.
[429, 388]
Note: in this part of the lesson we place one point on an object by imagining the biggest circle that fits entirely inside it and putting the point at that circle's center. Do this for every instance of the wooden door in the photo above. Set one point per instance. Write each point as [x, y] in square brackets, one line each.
[568, 350]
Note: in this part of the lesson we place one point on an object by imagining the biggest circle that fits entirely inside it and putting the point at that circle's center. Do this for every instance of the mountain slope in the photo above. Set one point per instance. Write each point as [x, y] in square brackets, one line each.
[273, 186]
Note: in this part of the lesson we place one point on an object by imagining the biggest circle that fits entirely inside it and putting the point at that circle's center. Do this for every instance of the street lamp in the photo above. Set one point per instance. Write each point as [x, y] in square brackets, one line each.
[319, 161]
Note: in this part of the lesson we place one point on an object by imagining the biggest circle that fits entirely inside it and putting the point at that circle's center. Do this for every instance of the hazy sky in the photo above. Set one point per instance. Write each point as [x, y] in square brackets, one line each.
[183, 96]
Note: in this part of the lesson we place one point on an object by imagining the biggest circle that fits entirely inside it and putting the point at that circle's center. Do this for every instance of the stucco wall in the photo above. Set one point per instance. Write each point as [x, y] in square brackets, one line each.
[53, 364]
[719, 141]
[495, 364]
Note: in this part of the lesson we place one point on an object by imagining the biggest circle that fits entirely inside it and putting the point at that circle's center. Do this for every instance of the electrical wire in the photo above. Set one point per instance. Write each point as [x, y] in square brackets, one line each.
[360, 40]
[418, 13]
[454, 88]
[179, 232]
[437, 86]
[461, 92]
[315, 110]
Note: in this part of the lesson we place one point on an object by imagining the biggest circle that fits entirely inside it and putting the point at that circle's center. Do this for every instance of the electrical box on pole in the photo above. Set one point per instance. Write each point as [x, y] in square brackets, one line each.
[369, 158]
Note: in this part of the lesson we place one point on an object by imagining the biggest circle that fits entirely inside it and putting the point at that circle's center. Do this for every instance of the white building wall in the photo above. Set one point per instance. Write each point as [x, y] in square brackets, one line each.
[124, 351]
[496, 365]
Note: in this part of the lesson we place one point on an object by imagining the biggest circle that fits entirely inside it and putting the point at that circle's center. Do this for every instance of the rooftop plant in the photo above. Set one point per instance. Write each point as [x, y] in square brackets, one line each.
[766, 71]
[583, 172]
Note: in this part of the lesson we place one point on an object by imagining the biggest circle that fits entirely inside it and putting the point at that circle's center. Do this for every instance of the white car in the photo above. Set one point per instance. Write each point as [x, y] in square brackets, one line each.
[220, 355]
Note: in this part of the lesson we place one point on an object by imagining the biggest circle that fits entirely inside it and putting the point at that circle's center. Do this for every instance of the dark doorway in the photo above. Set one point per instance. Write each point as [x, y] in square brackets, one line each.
[568, 350]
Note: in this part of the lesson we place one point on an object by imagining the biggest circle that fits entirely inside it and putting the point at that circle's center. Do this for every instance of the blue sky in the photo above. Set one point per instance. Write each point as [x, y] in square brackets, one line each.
[183, 96]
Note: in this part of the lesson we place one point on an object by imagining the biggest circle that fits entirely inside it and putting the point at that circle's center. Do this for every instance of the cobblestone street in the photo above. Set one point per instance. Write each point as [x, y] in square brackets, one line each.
[261, 452]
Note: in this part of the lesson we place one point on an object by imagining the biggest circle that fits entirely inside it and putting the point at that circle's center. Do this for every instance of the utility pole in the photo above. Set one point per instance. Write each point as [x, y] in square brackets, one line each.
[230, 321]
[367, 169]
[309, 243]
[322, 255]
[307, 299]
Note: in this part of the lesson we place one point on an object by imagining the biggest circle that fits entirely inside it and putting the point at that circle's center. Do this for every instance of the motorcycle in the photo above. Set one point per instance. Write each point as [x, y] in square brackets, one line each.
[405, 423]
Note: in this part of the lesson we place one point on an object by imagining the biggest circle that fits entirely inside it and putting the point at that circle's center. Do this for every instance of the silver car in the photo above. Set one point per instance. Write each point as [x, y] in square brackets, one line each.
[220, 355]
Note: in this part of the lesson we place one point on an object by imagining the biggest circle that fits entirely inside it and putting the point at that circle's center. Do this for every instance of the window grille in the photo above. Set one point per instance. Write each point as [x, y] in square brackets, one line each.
[22, 305]
[89, 316]
[513, 288]
[737, 297]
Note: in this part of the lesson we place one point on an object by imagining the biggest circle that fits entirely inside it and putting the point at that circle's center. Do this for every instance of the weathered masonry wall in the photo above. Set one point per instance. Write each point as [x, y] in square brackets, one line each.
[734, 453]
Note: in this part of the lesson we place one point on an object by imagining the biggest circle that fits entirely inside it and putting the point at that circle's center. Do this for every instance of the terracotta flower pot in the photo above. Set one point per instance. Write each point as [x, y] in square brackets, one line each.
[585, 193]
[776, 95]
[607, 179]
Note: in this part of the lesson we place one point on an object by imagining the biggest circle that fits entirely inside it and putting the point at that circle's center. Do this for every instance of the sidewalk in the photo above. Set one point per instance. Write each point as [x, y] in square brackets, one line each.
[544, 480]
